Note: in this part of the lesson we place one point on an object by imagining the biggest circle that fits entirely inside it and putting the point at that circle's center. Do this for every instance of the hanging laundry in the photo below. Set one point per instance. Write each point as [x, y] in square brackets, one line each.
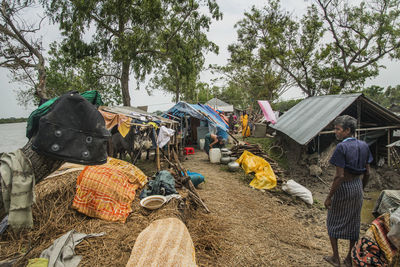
[164, 136]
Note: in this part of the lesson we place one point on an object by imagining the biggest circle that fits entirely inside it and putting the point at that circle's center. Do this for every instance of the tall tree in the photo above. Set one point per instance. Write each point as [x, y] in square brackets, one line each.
[89, 72]
[133, 34]
[21, 49]
[334, 48]
[178, 73]
[249, 77]
[385, 97]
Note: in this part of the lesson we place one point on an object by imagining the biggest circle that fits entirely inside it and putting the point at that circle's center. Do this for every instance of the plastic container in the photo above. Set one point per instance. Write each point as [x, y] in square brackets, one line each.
[201, 144]
[215, 155]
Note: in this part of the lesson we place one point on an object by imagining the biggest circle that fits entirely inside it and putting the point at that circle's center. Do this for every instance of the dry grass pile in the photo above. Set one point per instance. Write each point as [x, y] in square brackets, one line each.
[53, 217]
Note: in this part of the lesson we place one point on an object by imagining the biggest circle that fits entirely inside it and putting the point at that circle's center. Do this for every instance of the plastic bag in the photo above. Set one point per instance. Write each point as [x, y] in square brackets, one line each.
[295, 189]
[264, 175]
[196, 178]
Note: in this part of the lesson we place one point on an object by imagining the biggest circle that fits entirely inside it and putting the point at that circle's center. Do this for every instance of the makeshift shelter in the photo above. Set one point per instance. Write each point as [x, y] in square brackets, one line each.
[219, 105]
[309, 123]
[197, 120]
[127, 117]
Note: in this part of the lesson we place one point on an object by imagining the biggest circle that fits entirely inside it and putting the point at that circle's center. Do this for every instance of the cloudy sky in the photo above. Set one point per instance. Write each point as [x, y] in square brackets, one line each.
[222, 33]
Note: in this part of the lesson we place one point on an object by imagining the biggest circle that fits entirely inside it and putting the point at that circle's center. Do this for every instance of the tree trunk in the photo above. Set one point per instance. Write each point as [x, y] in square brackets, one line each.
[177, 88]
[126, 99]
[41, 90]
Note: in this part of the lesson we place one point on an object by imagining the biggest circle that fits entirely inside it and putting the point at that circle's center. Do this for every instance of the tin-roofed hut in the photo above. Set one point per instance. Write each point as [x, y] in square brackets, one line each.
[307, 127]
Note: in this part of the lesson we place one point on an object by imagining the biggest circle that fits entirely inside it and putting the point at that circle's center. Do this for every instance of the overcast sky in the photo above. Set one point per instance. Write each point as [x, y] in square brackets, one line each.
[221, 32]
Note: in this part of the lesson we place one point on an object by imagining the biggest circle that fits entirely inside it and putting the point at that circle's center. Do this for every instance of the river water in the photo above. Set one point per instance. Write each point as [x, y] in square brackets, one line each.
[12, 136]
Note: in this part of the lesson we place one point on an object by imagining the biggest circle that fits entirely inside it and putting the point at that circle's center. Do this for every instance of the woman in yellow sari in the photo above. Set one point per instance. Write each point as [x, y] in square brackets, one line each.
[244, 118]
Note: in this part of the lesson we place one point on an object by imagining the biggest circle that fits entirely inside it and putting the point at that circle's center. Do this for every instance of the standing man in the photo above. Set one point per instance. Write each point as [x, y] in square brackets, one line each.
[344, 201]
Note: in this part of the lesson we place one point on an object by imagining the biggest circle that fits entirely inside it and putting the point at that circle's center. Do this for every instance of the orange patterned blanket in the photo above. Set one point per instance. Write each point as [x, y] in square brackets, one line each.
[107, 191]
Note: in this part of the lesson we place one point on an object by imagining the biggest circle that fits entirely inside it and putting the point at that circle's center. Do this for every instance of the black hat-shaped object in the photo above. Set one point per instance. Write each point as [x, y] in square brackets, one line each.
[73, 131]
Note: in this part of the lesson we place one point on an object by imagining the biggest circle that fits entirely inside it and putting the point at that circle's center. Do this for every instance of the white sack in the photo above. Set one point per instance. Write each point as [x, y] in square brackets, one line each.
[394, 233]
[295, 189]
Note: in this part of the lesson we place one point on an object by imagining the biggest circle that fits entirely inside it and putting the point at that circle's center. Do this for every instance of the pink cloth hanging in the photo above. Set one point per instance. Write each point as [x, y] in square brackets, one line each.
[267, 111]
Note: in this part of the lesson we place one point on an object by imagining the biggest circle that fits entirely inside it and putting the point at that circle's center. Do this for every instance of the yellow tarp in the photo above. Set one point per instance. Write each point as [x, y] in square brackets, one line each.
[264, 175]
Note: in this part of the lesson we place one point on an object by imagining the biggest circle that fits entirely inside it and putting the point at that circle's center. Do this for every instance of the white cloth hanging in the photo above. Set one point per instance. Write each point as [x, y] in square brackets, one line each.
[164, 136]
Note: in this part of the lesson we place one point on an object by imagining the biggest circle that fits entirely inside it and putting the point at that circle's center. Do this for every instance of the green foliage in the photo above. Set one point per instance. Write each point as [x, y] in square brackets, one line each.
[332, 49]
[249, 76]
[179, 70]
[12, 120]
[384, 97]
[283, 106]
[67, 72]
[139, 37]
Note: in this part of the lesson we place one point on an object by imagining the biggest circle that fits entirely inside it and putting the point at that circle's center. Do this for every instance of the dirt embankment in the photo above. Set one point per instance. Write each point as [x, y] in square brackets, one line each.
[260, 228]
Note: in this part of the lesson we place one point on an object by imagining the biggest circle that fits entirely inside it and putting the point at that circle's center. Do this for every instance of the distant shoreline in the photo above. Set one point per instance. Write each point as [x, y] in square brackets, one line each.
[13, 120]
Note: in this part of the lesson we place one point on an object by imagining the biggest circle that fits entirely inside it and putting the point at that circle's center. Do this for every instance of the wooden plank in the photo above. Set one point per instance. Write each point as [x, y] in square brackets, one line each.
[367, 129]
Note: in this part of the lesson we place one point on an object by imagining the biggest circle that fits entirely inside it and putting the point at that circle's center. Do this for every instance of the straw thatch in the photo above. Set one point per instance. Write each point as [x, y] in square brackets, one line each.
[53, 217]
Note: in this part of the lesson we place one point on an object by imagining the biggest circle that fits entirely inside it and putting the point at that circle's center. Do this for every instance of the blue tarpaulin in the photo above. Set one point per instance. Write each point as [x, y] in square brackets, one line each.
[201, 112]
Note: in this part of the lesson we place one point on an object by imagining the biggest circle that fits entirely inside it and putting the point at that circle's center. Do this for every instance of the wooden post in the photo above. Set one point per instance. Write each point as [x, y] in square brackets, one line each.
[388, 149]
[169, 151]
[358, 116]
[158, 164]
[158, 158]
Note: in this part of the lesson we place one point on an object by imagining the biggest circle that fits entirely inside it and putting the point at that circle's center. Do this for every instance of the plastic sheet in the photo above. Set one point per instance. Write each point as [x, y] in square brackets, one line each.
[264, 175]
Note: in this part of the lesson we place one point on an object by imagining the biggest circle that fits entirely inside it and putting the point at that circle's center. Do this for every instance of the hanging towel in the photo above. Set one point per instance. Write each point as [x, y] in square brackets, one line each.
[267, 111]
[164, 136]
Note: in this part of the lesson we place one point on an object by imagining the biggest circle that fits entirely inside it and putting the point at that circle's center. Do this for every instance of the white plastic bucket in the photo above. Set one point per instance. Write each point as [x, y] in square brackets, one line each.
[215, 155]
[201, 143]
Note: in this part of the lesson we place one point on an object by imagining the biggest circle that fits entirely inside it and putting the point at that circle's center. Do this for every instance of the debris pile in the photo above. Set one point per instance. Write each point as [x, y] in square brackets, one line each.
[255, 149]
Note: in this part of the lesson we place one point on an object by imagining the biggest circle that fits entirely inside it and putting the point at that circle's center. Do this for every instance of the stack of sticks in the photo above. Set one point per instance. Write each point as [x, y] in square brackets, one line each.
[183, 180]
[255, 149]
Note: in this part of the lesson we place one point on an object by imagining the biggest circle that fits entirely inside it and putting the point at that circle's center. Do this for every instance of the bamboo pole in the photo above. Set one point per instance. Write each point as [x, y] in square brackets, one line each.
[388, 149]
[366, 129]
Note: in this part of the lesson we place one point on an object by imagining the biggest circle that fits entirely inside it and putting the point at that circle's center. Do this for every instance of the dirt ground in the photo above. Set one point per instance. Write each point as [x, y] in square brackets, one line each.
[246, 227]
[261, 228]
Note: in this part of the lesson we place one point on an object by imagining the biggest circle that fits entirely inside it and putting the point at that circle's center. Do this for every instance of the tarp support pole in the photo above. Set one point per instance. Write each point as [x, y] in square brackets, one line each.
[366, 129]
[388, 149]
[158, 158]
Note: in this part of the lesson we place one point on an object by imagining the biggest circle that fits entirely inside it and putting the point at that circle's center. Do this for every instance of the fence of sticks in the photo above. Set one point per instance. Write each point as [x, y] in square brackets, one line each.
[237, 151]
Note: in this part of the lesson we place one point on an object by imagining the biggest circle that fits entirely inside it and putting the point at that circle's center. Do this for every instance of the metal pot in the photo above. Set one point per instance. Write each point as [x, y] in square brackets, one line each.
[226, 153]
[233, 158]
[224, 149]
[225, 160]
[233, 166]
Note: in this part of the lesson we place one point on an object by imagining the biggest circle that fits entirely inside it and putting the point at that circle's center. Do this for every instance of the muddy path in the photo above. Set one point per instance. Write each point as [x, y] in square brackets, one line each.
[260, 228]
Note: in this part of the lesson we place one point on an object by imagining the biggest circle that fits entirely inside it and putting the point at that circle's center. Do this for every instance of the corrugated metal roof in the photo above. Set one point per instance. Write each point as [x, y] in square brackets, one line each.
[312, 115]
[220, 105]
[217, 102]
